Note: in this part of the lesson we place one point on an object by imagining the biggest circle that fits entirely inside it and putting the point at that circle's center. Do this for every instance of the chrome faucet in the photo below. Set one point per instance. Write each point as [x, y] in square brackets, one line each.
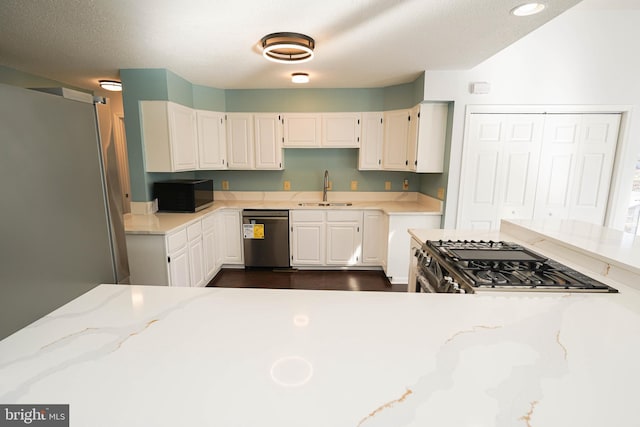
[326, 186]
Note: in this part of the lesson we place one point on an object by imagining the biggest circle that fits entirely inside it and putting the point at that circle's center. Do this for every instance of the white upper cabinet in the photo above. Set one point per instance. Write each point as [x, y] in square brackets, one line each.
[169, 136]
[268, 141]
[430, 138]
[212, 140]
[396, 140]
[341, 130]
[302, 129]
[370, 155]
[240, 141]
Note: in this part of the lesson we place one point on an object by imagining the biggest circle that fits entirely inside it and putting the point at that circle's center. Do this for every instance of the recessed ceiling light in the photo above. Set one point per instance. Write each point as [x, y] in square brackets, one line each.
[528, 9]
[287, 47]
[300, 78]
[112, 85]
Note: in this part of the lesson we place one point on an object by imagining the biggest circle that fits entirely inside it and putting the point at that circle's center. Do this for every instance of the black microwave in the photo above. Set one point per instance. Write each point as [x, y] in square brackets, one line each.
[183, 195]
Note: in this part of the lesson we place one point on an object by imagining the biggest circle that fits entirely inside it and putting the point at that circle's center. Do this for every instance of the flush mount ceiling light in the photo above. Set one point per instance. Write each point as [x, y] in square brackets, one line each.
[528, 9]
[112, 85]
[287, 48]
[300, 78]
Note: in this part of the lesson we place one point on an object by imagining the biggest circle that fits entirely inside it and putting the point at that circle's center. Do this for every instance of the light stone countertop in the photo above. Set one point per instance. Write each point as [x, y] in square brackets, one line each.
[145, 355]
[389, 203]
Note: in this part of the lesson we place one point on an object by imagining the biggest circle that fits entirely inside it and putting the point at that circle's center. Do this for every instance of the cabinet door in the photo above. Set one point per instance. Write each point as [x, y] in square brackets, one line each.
[370, 154]
[307, 243]
[396, 133]
[373, 238]
[212, 141]
[432, 134]
[240, 141]
[412, 138]
[209, 246]
[343, 244]
[196, 262]
[179, 267]
[268, 141]
[182, 128]
[341, 130]
[231, 232]
[302, 130]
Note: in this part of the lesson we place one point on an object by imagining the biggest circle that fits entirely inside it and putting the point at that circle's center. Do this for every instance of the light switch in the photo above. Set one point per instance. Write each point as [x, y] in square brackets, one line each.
[225, 185]
[441, 193]
[287, 185]
[387, 185]
[405, 184]
[354, 185]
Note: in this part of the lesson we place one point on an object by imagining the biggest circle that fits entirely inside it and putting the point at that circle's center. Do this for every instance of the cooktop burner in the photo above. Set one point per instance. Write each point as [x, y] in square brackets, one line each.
[486, 265]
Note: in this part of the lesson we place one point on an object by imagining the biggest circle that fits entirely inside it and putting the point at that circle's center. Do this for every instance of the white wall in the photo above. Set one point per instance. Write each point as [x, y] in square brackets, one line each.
[587, 56]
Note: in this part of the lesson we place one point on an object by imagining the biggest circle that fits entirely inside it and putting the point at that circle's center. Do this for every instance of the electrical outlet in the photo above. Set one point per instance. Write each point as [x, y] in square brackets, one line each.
[405, 184]
[441, 193]
[287, 185]
[354, 185]
[387, 185]
[225, 185]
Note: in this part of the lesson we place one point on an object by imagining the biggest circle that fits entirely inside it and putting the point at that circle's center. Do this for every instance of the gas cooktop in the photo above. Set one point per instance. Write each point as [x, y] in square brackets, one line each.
[489, 265]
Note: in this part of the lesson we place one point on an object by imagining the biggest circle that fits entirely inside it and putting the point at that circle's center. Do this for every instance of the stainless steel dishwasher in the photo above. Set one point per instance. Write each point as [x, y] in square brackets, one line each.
[266, 238]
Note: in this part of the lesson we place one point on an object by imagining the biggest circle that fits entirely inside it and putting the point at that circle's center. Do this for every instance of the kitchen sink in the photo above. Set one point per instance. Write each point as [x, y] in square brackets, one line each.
[325, 204]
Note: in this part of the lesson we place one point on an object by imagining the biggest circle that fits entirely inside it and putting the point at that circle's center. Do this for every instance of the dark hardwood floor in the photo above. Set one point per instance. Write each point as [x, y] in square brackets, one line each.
[341, 280]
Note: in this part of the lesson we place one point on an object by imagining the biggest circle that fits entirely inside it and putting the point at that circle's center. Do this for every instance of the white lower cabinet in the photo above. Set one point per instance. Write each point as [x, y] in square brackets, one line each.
[327, 238]
[178, 258]
[374, 242]
[344, 237]
[190, 255]
[307, 237]
[398, 252]
[209, 246]
[230, 231]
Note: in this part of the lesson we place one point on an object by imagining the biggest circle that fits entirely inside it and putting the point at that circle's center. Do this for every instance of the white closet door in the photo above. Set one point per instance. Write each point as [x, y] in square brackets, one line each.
[575, 174]
[561, 136]
[500, 169]
[520, 162]
[594, 166]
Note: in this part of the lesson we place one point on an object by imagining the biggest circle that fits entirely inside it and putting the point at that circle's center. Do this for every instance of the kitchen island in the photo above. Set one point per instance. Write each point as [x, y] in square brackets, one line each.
[163, 356]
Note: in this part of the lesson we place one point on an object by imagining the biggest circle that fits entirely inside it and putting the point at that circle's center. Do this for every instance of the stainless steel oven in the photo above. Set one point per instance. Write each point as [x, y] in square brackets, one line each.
[463, 266]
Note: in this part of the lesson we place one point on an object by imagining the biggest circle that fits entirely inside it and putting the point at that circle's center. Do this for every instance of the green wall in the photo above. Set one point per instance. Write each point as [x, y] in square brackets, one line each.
[304, 168]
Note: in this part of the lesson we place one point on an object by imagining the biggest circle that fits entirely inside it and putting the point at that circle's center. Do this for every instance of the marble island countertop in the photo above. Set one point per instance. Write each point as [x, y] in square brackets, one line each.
[162, 356]
[389, 203]
[141, 356]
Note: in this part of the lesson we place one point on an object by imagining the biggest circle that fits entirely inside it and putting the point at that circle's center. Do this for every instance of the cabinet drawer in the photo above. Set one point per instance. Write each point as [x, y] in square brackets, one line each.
[307, 216]
[344, 216]
[194, 230]
[177, 240]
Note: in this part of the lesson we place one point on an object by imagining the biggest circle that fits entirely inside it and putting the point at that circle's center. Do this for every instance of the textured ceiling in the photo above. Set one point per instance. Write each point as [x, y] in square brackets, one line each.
[359, 43]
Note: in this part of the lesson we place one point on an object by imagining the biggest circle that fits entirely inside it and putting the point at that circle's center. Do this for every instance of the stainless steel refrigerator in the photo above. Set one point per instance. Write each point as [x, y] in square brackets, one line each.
[59, 236]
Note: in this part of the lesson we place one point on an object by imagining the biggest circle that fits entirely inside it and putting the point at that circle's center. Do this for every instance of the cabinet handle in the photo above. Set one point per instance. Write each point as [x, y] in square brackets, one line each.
[168, 259]
[380, 121]
[292, 229]
[358, 139]
[379, 161]
[358, 121]
[358, 229]
[415, 163]
[406, 162]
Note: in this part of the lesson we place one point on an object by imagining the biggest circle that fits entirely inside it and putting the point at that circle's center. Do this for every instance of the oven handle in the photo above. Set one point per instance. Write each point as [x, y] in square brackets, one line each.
[425, 285]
